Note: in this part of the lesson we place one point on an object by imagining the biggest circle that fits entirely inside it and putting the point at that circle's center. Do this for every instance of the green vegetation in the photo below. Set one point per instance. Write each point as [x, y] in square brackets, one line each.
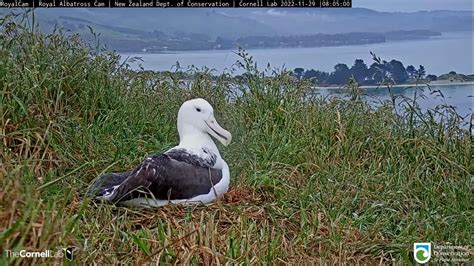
[313, 180]
[380, 72]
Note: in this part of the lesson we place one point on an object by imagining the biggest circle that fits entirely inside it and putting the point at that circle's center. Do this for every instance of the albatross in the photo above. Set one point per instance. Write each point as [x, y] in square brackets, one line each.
[192, 172]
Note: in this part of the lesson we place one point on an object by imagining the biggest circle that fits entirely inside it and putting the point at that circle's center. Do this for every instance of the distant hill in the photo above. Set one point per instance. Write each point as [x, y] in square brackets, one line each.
[235, 22]
[137, 28]
[169, 21]
[320, 20]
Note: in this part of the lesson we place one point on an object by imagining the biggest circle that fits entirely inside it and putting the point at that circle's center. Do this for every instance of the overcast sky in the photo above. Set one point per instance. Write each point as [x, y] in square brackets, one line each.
[414, 5]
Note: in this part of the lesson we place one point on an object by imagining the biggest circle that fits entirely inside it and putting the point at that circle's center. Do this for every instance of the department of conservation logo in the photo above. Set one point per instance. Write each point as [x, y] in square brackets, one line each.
[422, 252]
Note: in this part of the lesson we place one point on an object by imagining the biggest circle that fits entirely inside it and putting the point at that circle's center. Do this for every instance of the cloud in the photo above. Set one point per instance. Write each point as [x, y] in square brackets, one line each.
[414, 5]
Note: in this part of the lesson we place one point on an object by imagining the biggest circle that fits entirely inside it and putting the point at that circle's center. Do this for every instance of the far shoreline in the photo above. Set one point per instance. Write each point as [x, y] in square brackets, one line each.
[151, 52]
[442, 83]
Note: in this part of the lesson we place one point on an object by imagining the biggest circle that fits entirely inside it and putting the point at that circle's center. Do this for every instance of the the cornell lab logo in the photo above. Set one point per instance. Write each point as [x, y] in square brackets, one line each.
[422, 252]
[69, 252]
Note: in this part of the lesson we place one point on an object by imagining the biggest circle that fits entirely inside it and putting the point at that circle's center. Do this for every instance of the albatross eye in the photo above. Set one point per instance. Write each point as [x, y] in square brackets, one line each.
[198, 109]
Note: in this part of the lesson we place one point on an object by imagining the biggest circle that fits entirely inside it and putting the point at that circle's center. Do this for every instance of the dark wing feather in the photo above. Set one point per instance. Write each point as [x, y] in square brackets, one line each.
[104, 183]
[167, 179]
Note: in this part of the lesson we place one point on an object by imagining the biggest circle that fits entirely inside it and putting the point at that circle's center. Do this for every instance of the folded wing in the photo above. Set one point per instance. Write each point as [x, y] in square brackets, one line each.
[167, 177]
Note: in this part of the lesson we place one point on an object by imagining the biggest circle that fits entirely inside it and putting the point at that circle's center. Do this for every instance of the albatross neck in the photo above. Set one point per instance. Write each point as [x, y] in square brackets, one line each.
[197, 140]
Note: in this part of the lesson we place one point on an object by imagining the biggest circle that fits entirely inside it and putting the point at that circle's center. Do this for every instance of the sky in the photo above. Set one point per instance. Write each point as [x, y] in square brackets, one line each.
[414, 5]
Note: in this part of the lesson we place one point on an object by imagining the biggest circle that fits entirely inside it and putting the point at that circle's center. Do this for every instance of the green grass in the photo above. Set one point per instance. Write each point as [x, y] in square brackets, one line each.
[313, 181]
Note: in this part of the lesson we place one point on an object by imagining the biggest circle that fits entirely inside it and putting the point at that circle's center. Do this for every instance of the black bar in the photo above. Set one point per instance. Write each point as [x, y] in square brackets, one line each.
[177, 3]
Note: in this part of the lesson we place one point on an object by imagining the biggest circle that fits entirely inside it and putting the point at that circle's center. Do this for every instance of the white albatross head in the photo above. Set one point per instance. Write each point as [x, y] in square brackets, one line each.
[197, 116]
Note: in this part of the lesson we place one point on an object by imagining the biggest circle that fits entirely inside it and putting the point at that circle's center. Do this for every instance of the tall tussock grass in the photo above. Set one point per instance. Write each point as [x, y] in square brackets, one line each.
[314, 180]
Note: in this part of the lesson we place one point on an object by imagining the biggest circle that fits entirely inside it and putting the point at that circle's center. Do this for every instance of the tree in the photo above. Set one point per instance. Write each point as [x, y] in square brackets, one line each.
[341, 74]
[310, 74]
[411, 71]
[378, 72]
[421, 72]
[398, 72]
[452, 73]
[316, 76]
[360, 71]
[432, 77]
[322, 77]
[298, 72]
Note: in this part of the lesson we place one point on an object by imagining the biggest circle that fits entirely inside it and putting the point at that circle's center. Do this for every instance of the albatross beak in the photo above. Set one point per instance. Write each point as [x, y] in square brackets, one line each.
[215, 130]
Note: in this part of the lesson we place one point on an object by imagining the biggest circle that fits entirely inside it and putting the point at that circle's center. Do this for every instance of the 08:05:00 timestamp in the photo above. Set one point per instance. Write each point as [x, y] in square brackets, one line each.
[335, 3]
[315, 3]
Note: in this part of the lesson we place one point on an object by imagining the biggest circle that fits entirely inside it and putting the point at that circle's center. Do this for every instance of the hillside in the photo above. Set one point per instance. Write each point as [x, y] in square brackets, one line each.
[136, 29]
[232, 23]
[156, 30]
[169, 21]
